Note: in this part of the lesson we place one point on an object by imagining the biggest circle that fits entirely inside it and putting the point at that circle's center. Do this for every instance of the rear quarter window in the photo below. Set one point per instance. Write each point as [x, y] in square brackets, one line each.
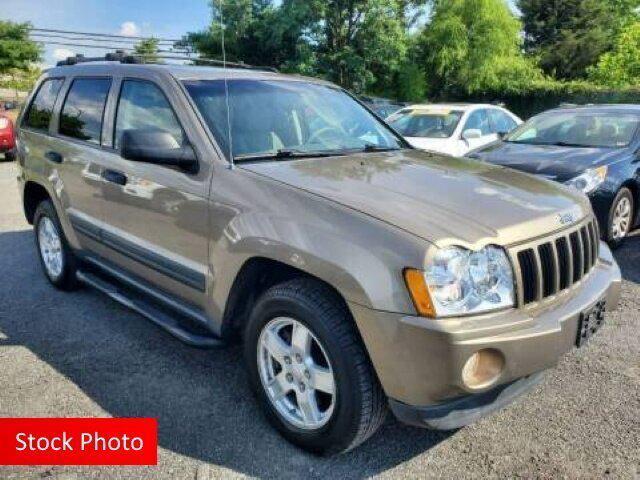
[83, 109]
[38, 117]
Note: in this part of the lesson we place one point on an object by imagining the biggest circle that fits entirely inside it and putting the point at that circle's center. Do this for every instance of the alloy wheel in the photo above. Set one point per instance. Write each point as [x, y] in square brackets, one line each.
[50, 245]
[296, 373]
[621, 219]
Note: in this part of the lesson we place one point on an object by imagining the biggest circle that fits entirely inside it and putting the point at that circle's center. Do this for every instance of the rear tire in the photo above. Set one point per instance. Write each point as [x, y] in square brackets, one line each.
[358, 405]
[56, 257]
[621, 218]
[10, 156]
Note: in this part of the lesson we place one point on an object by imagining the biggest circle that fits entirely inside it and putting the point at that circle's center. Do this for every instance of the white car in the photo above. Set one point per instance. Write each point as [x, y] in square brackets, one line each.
[453, 129]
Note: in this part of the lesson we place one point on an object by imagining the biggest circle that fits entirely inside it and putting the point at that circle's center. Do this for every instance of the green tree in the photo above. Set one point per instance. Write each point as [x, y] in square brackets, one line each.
[148, 49]
[620, 67]
[567, 36]
[17, 51]
[474, 46]
[364, 43]
[360, 44]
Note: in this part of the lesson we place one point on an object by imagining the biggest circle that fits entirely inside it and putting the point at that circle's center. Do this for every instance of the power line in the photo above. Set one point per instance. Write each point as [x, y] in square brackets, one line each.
[101, 47]
[106, 35]
[90, 39]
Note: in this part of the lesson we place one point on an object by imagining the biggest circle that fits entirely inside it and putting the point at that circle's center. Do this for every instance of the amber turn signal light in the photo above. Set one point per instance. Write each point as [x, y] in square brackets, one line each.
[419, 292]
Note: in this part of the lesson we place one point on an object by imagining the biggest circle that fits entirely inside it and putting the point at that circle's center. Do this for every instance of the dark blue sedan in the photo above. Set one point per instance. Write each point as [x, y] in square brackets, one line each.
[595, 149]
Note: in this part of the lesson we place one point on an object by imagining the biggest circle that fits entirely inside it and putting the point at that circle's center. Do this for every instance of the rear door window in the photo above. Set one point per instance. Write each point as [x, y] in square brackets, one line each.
[501, 122]
[83, 109]
[143, 106]
[479, 120]
[39, 115]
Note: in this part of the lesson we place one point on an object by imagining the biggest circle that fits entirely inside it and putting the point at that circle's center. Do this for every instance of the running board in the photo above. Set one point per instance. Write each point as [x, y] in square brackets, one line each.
[138, 304]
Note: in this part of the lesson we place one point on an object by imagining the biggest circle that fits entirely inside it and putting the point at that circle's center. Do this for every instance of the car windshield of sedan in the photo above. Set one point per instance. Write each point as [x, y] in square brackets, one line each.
[425, 124]
[586, 130]
[287, 119]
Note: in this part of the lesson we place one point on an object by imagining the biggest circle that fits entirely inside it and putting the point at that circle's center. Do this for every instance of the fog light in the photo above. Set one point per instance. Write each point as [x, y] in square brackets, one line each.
[483, 368]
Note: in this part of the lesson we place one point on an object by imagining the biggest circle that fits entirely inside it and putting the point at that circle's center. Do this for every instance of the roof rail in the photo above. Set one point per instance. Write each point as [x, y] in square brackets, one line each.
[133, 58]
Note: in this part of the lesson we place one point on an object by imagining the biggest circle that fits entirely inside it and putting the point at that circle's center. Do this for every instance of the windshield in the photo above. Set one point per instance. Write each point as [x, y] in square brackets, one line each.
[588, 130]
[423, 124]
[269, 117]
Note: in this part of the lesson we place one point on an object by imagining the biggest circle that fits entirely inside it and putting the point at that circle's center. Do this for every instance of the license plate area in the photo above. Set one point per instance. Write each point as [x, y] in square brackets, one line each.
[590, 322]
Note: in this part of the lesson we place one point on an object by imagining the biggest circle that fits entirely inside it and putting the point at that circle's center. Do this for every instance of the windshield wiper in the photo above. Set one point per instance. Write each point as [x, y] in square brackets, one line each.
[285, 154]
[569, 144]
[551, 144]
[377, 148]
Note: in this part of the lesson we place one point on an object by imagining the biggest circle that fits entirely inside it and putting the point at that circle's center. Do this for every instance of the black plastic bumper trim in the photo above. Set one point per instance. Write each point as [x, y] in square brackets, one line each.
[465, 410]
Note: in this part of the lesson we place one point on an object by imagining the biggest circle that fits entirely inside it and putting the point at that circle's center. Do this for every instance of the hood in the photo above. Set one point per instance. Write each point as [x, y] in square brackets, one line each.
[553, 162]
[444, 200]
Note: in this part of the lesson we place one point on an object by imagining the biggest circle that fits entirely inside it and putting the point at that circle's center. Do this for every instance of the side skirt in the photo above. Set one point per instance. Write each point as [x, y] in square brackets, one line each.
[185, 322]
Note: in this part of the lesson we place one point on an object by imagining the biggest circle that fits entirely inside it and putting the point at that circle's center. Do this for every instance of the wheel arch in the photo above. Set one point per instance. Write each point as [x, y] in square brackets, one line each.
[255, 276]
[33, 194]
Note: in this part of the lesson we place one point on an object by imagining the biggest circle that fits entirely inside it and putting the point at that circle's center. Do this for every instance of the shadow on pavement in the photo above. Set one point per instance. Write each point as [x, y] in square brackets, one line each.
[628, 257]
[201, 398]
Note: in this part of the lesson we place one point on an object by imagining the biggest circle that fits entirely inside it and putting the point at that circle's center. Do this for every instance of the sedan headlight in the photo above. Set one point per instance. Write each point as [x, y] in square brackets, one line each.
[588, 181]
[460, 282]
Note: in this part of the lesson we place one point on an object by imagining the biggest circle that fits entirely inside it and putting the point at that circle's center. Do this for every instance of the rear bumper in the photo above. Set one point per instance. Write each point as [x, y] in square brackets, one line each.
[419, 361]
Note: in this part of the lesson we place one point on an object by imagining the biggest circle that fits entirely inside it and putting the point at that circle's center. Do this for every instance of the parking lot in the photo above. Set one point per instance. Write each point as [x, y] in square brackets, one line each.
[82, 355]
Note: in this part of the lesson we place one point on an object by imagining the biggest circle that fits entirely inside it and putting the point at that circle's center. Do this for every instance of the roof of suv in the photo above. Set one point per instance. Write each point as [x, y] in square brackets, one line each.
[180, 72]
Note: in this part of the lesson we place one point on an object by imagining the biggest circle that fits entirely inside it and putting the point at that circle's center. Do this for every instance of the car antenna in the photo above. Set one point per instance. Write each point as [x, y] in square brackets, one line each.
[226, 86]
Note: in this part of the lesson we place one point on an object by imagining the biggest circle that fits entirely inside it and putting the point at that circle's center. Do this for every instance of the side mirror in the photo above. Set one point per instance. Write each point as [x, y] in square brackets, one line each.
[158, 147]
[471, 134]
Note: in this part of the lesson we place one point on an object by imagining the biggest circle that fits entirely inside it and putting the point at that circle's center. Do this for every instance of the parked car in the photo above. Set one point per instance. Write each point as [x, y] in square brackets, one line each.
[594, 149]
[7, 138]
[358, 272]
[383, 107]
[453, 129]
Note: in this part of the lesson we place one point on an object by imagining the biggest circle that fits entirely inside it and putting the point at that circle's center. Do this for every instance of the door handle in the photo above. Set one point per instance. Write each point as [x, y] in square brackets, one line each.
[54, 157]
[114, 177]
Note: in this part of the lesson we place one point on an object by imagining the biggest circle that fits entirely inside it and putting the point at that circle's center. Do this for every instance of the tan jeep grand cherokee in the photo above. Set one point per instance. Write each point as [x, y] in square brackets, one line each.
[358, 272]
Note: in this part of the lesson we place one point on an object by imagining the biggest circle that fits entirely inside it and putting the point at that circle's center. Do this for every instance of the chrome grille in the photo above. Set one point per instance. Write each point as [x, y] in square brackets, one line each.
[555, 264]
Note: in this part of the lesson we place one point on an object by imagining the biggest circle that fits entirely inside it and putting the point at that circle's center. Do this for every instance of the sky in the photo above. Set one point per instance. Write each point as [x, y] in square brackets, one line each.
[159, 18]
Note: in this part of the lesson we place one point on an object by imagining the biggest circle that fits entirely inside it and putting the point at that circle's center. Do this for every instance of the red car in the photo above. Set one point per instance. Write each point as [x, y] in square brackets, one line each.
[7, 138]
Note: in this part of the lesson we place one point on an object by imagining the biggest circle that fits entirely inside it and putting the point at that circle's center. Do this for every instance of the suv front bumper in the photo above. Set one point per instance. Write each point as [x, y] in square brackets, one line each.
[419, 361]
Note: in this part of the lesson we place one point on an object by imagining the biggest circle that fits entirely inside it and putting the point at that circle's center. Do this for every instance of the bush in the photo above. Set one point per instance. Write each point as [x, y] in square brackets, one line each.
[541, 95]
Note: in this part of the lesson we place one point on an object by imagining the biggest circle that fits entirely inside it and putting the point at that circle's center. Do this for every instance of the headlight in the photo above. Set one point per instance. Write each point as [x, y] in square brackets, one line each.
[589, 180]
[460, 281]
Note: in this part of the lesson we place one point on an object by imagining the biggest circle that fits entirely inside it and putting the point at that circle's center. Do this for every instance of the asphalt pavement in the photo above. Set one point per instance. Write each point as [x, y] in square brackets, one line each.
[82, 355]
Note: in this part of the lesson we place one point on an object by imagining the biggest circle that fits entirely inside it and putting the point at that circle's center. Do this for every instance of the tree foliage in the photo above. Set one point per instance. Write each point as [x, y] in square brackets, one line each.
[568, 36]
[360, 44]
[620, 67]
[474, 46]
[148, 49]
[17, 51]
[463, 48]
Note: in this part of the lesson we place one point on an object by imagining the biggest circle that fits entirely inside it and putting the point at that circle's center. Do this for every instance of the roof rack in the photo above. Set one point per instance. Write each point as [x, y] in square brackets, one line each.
[133, 58]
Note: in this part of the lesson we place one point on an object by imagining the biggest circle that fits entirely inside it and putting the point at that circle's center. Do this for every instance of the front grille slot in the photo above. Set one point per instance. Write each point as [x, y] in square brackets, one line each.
[586, 247]
[554, 266]
[564, 262]
[576, 256]
[547, 263]
[529, 274]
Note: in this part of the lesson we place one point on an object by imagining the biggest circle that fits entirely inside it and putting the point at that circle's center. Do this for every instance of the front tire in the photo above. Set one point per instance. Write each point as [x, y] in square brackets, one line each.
[309, 369]
[621, 216]
[56, 257]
